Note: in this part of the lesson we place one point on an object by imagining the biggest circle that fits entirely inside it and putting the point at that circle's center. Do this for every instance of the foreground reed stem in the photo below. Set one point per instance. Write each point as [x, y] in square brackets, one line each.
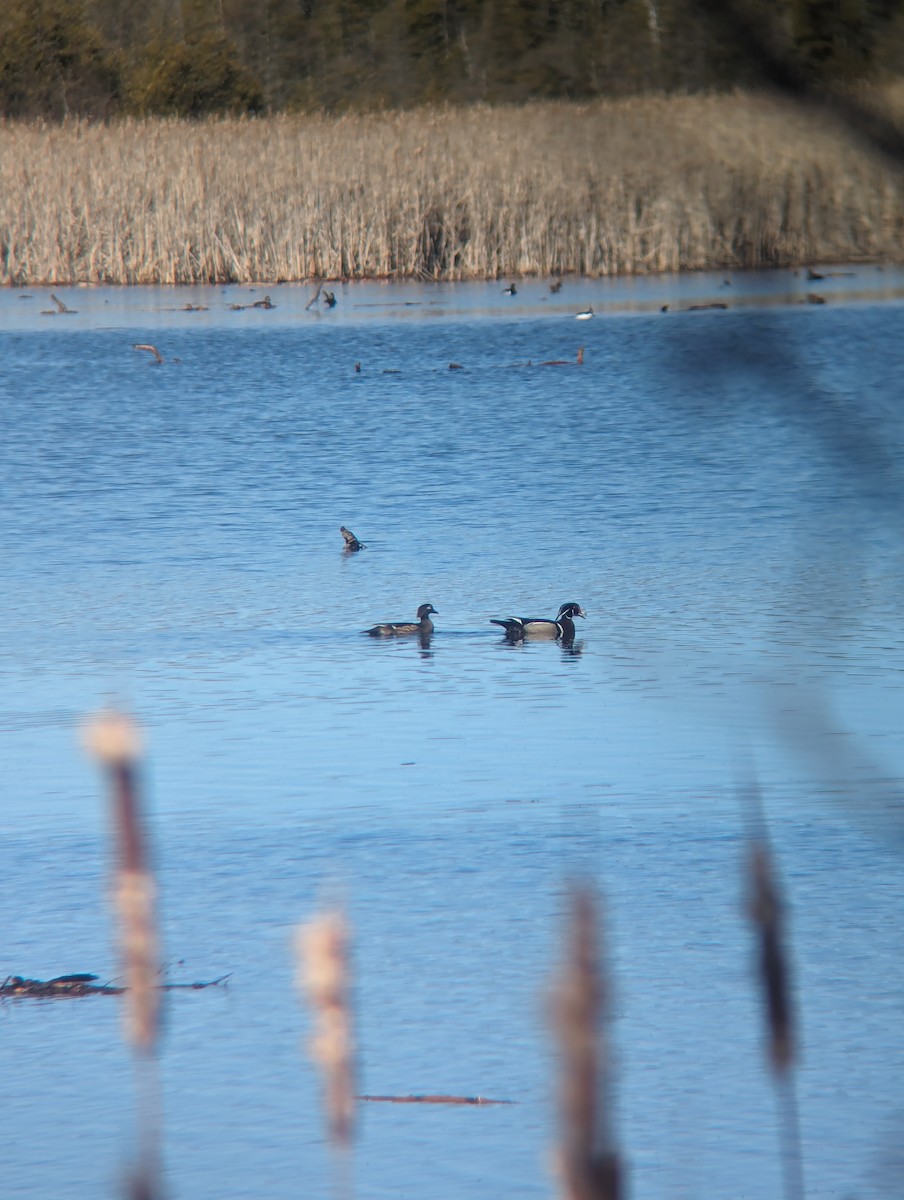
[766, 912]
[324, 977]
[588, 1164]
[114, 741]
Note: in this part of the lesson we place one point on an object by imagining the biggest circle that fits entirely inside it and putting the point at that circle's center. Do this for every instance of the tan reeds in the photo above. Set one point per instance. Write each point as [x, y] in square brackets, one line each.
[655, 184]
[588, 1166]
[324, 978]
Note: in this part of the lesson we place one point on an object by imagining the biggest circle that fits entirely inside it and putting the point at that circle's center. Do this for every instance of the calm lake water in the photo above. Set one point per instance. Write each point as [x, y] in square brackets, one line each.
[723, 493]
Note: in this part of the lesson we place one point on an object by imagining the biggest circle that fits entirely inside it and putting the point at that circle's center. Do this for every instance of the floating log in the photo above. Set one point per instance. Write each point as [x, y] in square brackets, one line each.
[60, 308]
[158, 357]
[16, 986]
[433, 1100]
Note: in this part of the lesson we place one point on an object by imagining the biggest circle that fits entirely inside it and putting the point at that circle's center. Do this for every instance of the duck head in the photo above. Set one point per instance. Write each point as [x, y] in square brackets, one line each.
[571, 609]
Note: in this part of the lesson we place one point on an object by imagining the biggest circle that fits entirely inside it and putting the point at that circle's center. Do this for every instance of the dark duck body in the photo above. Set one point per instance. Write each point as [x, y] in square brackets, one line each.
[562, 626]
[351, 542]
[423, 625]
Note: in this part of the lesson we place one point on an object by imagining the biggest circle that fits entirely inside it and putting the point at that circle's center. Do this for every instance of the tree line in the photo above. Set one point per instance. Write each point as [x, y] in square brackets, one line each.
[102, 58]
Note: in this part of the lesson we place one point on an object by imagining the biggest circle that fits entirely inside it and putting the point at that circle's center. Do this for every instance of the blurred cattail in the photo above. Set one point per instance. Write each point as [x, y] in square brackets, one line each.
[113, 739]
[587, 1163]
[766, 915]
[324, 978]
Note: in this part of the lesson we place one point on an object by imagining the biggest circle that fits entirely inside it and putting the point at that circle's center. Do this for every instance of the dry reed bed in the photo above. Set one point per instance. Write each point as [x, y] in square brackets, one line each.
[655, 184]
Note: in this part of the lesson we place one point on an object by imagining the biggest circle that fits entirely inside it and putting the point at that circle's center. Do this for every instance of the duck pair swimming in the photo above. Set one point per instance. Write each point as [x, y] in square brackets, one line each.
[516, 628]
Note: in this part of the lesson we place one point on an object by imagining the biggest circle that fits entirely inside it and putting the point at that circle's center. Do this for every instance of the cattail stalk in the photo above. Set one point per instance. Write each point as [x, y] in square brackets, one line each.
[766, 913]
[324, 978]
[113, 739]
[588, 1164]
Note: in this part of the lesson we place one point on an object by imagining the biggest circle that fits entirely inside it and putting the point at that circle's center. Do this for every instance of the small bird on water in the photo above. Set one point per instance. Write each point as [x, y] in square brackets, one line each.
[351, 542]
[585, 315]
[423, 625]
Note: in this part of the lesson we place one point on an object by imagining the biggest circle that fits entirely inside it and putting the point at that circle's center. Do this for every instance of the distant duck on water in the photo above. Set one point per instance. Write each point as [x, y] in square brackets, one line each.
[423, 625]
[585, 315]
[351, 542]
[511, 290]
[517, 628]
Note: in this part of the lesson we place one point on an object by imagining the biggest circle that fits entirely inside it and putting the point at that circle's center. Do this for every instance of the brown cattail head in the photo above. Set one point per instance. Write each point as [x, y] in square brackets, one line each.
[766, 914]
[113, 739]
[588, 1165]
[324, 978]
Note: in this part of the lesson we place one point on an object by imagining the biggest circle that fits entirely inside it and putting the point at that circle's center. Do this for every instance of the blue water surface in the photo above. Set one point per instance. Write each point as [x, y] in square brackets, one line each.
[721, 490]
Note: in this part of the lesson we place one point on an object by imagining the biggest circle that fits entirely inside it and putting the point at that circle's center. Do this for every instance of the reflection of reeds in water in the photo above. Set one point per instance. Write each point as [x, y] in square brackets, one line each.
[113, 739]
[324, 978]
[653, 184]
[587, 1164]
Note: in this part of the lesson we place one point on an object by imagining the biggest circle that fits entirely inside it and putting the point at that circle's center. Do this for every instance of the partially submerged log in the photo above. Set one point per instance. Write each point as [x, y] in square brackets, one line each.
[433, 1100]
[15, 986]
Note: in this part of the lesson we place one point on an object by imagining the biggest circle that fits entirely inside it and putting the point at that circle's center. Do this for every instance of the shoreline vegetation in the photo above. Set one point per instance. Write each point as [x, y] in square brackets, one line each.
[610, 187]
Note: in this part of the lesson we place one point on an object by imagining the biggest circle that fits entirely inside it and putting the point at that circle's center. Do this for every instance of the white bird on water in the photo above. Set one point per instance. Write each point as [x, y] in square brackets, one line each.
[586, 315]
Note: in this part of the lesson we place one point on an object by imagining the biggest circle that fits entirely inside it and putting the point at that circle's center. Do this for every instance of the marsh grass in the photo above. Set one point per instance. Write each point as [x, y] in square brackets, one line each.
[646, 185]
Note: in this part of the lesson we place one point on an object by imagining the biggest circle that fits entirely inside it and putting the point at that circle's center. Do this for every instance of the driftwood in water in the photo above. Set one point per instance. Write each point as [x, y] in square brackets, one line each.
[158, 357]
[60, 308]
[80, 985]
[265, 303]
[433, 1100]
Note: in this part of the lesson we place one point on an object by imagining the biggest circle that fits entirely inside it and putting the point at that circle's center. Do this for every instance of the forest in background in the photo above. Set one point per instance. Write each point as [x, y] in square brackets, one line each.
[106, 58]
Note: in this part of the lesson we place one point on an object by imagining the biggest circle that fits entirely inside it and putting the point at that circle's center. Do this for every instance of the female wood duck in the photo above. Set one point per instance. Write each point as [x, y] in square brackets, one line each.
[423, 625]
[351, 542]
[541, 627]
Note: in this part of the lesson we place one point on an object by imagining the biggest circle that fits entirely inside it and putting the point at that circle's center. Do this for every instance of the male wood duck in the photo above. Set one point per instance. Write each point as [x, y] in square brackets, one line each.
[351, 542]
[562, 627]
[423, 625]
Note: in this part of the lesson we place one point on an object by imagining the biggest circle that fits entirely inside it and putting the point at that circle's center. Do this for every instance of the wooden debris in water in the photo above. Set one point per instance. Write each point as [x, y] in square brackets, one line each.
[265, 303]
[324, 978]
[62, 985]
[61, 307]
[577, 361]
[17, 987]
[146, 346]
[438, 1099]
[588, 1166]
